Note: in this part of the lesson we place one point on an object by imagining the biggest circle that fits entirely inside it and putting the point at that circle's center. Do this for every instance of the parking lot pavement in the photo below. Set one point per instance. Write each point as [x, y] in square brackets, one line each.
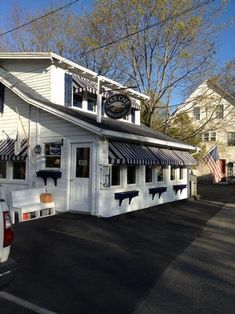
[202, 278]
[81, 264]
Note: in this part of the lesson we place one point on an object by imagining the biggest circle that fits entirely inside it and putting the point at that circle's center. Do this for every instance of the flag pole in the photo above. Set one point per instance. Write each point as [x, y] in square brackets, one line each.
[26, 136]
[213, 147]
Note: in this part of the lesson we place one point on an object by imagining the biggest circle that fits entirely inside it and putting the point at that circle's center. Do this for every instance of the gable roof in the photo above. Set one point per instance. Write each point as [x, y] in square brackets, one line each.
[73, 68]
[107, 128]
[221, 91]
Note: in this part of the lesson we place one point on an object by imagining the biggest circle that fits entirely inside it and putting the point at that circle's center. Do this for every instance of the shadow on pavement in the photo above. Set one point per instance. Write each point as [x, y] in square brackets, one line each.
[82, 264]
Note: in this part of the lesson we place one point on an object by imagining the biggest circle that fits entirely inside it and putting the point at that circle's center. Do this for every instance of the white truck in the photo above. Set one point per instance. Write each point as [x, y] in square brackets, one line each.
[7, 266]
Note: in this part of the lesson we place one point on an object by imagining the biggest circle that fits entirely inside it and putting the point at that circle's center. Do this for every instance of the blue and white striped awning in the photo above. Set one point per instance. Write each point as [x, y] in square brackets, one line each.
[131, 154]
[7, 148]
[124, 153]
[187, 159]
[167, 156]
[83, 84]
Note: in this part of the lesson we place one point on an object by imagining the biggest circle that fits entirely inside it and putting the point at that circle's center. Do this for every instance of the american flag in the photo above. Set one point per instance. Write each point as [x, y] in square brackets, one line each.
[213, 162]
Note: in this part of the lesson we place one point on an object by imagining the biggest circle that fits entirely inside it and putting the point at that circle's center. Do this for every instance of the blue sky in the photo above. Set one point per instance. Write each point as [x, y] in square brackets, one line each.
[225, 45]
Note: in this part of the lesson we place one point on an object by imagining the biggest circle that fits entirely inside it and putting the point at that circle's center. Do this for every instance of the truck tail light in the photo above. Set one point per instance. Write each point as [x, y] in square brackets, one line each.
[8, 231]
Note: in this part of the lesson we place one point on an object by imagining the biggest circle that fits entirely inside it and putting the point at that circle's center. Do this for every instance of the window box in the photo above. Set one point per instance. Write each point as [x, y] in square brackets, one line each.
[128, 194]
[158, 190]
[45, 174]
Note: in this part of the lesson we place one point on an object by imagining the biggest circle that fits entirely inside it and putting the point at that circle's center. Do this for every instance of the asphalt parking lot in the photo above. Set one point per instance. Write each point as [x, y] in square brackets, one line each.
[71, 263]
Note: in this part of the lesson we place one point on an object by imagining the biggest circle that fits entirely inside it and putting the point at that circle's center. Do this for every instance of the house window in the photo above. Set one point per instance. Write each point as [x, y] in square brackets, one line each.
[148, 174]
[196, 113]
[160, 173]
[173, 173]
[19, 170]
[102, 106]
[52, 155]
[3, 169]
[13, 170]
[77, 100]
[181, 174]
[209, 137]
[131, 174]
[219, 113]
[231, 138]
[132, 115]
[115, 178]
[91, 104]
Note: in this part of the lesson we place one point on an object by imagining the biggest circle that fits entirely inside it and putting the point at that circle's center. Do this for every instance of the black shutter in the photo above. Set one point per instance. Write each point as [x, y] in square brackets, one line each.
[2, 89]
[68, 85]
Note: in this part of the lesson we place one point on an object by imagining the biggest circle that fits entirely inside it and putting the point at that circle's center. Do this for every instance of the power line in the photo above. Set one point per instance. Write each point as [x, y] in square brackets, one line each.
[39, 18]
[146, 28]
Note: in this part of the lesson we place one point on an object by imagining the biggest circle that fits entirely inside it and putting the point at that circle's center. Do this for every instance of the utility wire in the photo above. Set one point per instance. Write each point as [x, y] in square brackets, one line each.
[146, 28]
[39, 18]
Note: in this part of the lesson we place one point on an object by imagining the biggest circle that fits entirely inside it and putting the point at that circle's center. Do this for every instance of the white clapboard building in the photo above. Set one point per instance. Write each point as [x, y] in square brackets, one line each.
[59, 132]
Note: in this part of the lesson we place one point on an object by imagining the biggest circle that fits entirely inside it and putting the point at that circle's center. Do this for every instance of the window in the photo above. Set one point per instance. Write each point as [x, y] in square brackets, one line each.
[219, 113]
[131, 174]
[77, 100]
[19, 170]
[102, 106]
[181, 174]
[231, 138]
[91, 104]
[196, 113]
[209, 137]
[148, 174]
[115, 179]
[132, 115]
[52, 155]
[83, 162]
[13, 170]
[172, 173]
[3, 169]
[160, 173]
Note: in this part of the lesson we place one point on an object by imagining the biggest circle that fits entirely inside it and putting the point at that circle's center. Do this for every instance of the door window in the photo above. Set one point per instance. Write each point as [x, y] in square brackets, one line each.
[82, 162]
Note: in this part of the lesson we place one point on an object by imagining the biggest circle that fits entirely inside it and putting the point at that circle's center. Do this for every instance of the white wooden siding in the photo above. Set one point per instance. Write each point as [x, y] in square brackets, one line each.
[9, 119]
[35, 73]
[53, 129]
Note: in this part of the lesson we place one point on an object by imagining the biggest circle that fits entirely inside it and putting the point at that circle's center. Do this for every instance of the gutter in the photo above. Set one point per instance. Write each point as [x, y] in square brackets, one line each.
[143, 139]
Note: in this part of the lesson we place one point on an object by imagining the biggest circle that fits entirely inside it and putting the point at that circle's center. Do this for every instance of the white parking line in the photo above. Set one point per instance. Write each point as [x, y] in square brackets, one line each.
[24, 303]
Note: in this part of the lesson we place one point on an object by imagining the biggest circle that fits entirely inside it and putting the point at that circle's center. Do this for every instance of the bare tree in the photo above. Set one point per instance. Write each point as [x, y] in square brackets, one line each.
[171, 55]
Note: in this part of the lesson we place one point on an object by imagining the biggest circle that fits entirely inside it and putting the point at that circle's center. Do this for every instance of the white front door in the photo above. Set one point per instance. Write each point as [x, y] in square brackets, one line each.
[80, 178]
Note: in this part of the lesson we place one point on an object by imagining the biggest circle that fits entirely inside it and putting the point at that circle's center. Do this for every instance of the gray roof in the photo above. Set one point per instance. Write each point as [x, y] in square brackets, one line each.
[106, 123]
[221, 91]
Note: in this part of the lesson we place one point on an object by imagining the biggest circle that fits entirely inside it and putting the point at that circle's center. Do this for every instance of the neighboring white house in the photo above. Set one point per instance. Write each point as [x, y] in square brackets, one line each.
[212, 111]
[88, 161]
